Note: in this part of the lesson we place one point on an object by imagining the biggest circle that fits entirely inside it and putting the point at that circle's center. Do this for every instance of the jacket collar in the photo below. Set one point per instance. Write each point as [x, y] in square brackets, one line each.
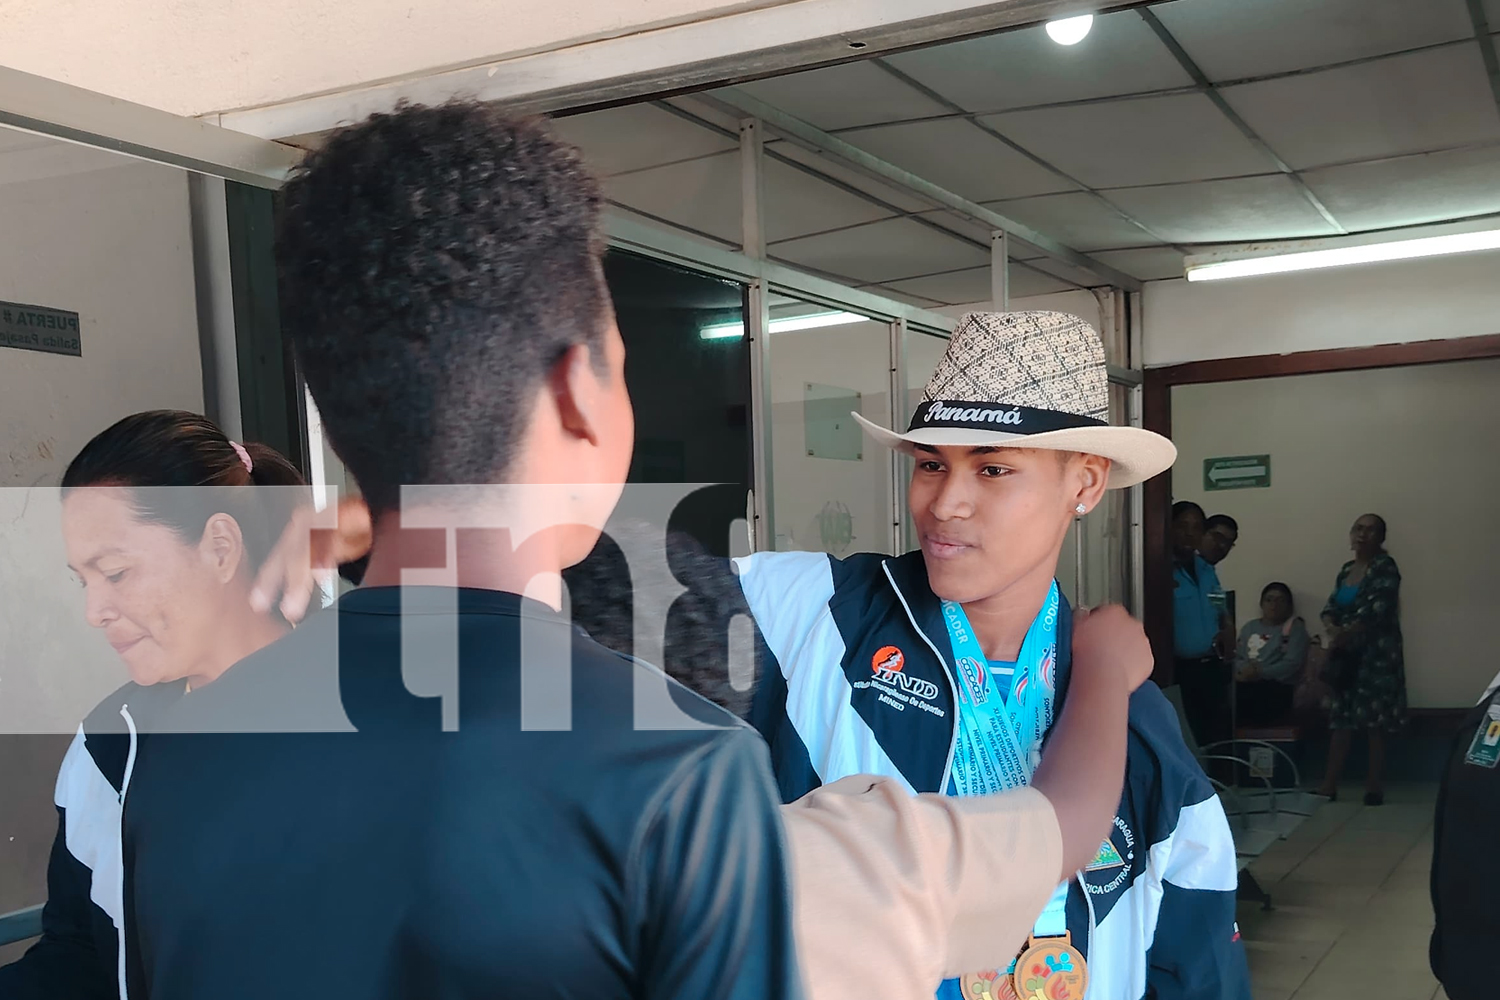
[908, 574]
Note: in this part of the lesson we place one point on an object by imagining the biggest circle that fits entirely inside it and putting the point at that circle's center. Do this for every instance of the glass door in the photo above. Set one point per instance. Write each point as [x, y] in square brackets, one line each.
[831, 487]
[687, 365]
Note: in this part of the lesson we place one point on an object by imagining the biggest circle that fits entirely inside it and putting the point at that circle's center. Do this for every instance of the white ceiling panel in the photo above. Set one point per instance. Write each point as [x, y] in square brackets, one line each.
[844, 96]
[1023, 68]
[1025, 282]
[1148, 264]
[1247, 208]
[1235, 39]
[1492, 10]
[1078, 220]
[971, 285]
[1405, 104]
[882, 252]
[902, 198]
[1411, 190]
[1154, 140]
[952, 153]
[797, 204]
[920, 301]
[638, 136]
[705, 195]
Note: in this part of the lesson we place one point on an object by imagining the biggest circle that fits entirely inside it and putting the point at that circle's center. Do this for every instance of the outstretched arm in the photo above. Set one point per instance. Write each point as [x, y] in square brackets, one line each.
[1083, 766]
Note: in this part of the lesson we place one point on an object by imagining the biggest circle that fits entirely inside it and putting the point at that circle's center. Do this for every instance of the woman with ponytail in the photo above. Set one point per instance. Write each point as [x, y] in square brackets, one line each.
[166, 543]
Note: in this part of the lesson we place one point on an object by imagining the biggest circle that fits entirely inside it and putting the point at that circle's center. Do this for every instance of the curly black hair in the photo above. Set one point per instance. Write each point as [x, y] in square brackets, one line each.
[436, 263]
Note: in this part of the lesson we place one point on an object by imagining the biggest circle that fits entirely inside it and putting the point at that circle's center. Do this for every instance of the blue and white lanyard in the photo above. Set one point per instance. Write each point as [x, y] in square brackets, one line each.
[999, 737]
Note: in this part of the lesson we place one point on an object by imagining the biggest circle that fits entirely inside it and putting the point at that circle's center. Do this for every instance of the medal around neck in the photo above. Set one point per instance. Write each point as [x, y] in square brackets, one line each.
[1050, 968]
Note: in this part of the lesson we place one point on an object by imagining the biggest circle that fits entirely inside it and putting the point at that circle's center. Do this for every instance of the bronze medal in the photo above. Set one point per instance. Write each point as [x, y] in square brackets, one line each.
[1050, 968]
[990, 985]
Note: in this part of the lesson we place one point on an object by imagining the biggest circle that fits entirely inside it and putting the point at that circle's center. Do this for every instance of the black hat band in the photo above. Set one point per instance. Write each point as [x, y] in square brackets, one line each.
[1007, 419]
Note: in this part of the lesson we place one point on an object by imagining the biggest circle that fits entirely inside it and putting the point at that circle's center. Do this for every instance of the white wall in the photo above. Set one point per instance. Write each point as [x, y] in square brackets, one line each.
[1416, 445]
[1398, 302]
[113, 246]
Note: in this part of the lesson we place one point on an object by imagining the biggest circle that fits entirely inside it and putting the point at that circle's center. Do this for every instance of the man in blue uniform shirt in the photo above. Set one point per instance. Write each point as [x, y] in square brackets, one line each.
[1201, 629]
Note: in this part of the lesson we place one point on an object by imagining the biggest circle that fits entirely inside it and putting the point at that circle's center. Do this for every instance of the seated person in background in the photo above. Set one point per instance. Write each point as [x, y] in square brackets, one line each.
[1269, 660]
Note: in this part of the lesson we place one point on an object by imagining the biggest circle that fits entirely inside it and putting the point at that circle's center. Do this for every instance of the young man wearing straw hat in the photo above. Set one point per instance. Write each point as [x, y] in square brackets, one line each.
[943, 668]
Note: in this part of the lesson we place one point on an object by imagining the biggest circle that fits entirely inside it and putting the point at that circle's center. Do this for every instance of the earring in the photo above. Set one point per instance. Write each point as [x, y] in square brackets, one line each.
[1082, 509]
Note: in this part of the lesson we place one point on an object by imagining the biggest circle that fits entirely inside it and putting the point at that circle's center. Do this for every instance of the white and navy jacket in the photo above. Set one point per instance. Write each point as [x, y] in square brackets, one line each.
[78, 956]
[857, 677]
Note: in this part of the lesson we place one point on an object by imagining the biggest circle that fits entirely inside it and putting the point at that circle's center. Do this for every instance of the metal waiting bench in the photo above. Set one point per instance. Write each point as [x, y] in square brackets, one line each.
[1284, 810]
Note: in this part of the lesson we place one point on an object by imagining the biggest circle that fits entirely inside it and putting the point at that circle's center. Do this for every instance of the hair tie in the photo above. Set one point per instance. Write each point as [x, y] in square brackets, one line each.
[245, 460]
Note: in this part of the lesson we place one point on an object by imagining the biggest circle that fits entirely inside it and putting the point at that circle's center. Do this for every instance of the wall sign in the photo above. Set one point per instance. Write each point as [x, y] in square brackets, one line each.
[38, 328]
[829, 429]
[1244, 472]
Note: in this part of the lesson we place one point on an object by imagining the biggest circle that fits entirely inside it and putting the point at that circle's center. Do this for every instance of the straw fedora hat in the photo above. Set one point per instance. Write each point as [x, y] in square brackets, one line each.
[1028, 380]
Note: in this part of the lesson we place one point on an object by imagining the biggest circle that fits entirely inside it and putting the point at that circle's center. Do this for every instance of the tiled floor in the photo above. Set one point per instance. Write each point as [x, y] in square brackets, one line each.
[1352, 914]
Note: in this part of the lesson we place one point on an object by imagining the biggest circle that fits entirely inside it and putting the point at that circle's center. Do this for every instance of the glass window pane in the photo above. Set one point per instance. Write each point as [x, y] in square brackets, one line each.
[831, 486]
[923, 352]
[687, 365]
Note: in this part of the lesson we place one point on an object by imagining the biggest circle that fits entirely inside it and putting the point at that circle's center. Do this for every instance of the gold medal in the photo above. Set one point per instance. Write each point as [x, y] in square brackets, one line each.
[1050, 968]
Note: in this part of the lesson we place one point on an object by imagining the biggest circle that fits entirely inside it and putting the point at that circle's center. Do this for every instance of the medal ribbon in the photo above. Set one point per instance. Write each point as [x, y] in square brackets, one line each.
[1000, 738]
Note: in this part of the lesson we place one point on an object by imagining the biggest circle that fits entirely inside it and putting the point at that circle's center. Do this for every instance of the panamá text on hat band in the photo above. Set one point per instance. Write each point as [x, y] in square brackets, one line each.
[982, 416]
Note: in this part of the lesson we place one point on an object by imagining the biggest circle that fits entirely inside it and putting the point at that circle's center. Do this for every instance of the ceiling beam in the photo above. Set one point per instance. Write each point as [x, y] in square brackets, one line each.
[61, 111]
[815, 138]
[896, 211]
[1210, 91]
[712, 52]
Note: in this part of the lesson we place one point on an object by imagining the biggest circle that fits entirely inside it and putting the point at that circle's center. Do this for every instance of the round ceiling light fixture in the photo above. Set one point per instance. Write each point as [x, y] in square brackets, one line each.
[1070, 30]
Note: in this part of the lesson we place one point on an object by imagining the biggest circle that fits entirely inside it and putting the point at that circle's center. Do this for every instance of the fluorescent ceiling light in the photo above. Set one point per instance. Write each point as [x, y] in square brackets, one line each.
[1307, 260]
[735, 331]
[1070, 30]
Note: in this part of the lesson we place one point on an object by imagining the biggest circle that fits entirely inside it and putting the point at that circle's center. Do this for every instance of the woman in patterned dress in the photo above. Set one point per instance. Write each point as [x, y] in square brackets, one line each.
[1364, 630]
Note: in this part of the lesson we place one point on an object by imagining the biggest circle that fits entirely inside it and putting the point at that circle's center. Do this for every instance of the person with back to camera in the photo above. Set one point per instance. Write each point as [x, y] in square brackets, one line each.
[443, 291]
[165, 540]
[1366, 662]
[1271, 653]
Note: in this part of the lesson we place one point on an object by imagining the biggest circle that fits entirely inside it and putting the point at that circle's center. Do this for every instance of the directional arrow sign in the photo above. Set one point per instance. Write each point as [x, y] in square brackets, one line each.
[1244, 472]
